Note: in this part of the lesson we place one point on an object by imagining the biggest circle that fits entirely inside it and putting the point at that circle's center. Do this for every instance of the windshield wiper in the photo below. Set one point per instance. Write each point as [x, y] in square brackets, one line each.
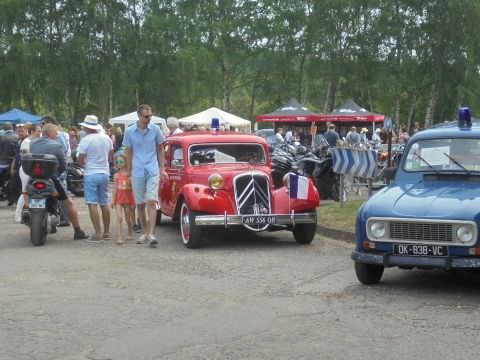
[426, 162]
[457, 163]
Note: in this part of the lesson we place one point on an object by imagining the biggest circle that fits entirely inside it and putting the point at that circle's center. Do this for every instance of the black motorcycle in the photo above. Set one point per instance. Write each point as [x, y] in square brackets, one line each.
[75, 177]
[42, 213]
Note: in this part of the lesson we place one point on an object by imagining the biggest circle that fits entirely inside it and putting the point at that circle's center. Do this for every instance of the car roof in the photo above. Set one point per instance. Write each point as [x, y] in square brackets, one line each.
[449, 129]
[200, 137]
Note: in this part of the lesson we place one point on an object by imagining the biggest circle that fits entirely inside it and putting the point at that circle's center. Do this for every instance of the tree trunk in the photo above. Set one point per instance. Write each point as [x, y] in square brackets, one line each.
[226, 87]
[68, 101]
[327, 97]
[431, 106]
[413, 108]
[397, 110]
[137, 95]
[110, 100]
[300, 77]
[77, 103]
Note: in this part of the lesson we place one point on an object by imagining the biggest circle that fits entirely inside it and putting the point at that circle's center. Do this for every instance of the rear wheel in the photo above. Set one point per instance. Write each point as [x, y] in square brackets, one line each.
[305, 233]
[38, 227]
[368, 274]
[191, 233]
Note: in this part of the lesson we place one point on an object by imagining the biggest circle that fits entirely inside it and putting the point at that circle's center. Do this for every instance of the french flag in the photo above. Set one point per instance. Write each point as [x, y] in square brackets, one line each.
[298, 186]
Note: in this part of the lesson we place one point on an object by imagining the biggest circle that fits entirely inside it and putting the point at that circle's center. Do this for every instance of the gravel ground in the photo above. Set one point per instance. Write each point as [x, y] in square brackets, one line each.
[243, 296]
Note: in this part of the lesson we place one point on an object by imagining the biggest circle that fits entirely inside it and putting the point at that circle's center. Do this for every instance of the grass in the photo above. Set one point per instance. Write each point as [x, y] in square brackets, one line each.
[342, 218]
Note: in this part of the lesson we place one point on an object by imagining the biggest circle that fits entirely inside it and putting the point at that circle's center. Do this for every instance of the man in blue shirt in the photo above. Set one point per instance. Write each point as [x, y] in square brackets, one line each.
[143, 144]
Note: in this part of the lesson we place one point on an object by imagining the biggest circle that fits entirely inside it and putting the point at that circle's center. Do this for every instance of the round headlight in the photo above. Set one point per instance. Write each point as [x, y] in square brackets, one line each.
[378, 229]
[215, 181]
[286, 180]
[465, 233]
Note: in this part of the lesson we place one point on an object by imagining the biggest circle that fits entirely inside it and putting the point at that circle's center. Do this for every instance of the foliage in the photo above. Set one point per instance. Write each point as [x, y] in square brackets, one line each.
[412, 59]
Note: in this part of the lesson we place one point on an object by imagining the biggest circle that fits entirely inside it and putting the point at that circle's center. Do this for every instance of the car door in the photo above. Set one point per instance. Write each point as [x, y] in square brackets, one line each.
[175, 171]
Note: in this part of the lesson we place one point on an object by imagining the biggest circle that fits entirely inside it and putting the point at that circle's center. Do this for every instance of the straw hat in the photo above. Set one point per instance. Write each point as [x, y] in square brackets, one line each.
[91, 122]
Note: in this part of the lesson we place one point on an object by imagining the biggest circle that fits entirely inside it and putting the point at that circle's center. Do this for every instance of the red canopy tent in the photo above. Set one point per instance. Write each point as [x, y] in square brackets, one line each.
[351, 112]
[292, 112]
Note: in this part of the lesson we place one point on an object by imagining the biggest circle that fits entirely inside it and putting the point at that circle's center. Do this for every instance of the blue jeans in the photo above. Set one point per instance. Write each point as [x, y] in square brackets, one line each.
[95, 187]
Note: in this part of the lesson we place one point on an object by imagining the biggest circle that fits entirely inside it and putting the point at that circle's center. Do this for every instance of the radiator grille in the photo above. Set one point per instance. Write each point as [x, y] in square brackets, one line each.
[252, 194]
[415, 231]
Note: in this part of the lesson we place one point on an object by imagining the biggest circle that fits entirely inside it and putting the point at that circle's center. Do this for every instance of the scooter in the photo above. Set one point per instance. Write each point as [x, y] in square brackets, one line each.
[42, 212]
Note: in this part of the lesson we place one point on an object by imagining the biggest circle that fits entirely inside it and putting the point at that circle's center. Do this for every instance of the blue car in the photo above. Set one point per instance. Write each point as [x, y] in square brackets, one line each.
[428, 217]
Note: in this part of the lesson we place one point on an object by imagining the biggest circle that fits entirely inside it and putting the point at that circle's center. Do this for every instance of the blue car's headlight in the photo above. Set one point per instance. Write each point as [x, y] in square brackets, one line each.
[378, 229]
[465, 233]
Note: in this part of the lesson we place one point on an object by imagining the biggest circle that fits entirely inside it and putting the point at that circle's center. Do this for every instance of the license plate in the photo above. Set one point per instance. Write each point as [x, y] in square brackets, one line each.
[420, 250]
[36, 204]
[258, 220]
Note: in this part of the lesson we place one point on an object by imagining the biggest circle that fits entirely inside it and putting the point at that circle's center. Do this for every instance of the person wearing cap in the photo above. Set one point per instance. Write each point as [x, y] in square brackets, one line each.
[376, 136]
[172, 124]
[143, 142]
[363, 137]
[48, 144]
[95, 152]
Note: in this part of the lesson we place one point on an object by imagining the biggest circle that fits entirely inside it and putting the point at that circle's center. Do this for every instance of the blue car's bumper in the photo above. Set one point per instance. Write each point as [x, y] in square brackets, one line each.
[389, 260]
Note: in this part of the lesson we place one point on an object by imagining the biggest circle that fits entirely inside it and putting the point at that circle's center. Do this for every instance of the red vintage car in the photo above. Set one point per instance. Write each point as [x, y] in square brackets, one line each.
[223, 180]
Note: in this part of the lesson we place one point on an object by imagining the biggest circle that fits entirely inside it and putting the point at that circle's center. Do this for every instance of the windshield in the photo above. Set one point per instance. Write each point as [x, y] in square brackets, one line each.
[226, 154]
[444, 155]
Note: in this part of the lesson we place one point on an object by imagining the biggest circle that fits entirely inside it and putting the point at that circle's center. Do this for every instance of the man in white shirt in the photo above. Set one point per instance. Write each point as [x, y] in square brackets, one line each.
[95, 151]
[279, 134]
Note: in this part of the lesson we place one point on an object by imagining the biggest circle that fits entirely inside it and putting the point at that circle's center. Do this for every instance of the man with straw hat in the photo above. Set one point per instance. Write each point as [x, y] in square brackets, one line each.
[95, 151]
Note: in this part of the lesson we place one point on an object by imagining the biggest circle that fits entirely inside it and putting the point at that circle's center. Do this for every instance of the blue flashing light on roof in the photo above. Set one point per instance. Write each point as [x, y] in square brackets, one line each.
[215, 125]
[464, 117]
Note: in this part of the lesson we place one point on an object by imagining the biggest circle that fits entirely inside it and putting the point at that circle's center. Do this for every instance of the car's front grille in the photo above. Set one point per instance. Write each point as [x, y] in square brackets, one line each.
[417, 231]
[252, 194]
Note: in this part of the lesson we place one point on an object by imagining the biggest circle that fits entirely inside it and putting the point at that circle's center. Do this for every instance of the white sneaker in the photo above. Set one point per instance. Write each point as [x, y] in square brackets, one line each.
[142, 239]
[153, 241]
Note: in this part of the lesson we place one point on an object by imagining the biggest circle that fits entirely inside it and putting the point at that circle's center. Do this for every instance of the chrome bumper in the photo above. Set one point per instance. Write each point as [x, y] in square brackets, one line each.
[228, 220]
[390, 260]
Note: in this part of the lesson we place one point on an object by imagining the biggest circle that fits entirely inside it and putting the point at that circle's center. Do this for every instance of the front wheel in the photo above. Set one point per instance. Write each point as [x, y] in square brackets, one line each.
[191, 233]
[368, 274]
[305, 233]
[38, 227]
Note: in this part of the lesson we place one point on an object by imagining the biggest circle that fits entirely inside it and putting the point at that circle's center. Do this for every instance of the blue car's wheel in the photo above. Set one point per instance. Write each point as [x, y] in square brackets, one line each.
[368, 274]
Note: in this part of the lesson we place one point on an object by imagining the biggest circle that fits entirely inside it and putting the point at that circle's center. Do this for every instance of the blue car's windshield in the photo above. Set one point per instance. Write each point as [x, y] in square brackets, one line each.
[444, 155]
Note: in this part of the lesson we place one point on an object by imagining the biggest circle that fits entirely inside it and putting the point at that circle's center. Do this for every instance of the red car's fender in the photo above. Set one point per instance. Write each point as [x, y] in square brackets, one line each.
[282, 204]
[203, 199]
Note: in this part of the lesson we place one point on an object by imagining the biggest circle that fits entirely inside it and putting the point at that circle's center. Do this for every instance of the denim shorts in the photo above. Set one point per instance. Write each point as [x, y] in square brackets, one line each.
[95, 187]
[145, 188]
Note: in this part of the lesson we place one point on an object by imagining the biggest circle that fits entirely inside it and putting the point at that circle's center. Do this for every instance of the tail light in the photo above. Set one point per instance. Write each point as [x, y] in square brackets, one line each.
[39, 186]
[37, 170]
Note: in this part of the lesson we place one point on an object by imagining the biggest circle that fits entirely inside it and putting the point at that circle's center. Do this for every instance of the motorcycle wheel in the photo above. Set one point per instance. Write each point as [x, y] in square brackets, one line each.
[38, 227]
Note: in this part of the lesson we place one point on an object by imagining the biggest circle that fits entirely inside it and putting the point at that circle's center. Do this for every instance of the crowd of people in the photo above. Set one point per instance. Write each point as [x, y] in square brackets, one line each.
[137, 156]
[351, 137]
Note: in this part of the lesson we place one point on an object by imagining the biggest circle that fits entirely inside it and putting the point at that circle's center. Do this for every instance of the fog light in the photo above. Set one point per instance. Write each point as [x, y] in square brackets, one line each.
[378, 229]
[215, 181]
[474, 251]
[368, 245]
[465, 233]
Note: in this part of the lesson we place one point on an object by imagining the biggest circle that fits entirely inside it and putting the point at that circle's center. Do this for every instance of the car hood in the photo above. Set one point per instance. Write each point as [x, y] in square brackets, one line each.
[428, 199]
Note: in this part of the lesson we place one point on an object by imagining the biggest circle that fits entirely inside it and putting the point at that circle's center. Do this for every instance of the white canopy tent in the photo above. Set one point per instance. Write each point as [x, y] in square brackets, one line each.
[129, 119]
[205, 118]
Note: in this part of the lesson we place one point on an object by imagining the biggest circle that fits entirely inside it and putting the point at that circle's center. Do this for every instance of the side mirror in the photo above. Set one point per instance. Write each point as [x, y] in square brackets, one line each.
[177, 163]
[389, 173]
